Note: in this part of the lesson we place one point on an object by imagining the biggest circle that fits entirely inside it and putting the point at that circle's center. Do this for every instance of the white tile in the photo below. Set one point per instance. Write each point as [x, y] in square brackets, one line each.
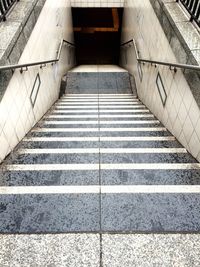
[5, 148]
[197, 128]
[182, 114]
[194, 144]
[188, 129]
[194, 113]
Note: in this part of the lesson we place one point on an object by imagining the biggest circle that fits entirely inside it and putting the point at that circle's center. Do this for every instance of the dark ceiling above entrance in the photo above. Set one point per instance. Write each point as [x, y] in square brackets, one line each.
[97, 34]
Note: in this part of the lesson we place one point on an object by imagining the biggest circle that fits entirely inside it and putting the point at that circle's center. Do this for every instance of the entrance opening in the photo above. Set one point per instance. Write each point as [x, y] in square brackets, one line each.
[97, 33]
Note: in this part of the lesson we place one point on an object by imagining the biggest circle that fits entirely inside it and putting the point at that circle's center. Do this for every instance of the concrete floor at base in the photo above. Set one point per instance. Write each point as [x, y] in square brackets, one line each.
[108, 250]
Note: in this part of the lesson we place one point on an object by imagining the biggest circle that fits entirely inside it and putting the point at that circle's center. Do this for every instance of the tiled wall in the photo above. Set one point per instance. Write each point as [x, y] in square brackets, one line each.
[15, 32]
[97, 3]
[17, 116]
[181, 114]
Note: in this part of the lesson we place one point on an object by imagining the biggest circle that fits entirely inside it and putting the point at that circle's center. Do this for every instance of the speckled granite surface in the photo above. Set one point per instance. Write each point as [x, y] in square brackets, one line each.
[93, 250]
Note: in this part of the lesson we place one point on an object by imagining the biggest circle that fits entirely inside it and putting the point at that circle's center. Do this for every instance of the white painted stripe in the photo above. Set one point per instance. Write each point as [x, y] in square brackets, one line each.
[130, 122]
[100, 96]
[104, 189]
[150, 189]
[124, 111]
[95, 139]
[75, 111]
[61, 139]
[138, 138]
[129, 129]
[24, 190]
[66, 95]
[102, 150]
[52, 167]
[70, 122]
[142, 150]
[47, 130]
[138, 129]
[60, 151]
[101, 116]
[103, 98]
[76, 107]
[75, 104]
[128, 116]
[122, 106]
[103, 111]
[100, 106]
[150, 166]
[78, 103]
[117, 166]
[99, 100]
[71, 116]
[102, 122]
[97, 103]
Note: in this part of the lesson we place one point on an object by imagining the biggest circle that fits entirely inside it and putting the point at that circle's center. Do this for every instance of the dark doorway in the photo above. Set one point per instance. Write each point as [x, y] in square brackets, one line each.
[97, 34]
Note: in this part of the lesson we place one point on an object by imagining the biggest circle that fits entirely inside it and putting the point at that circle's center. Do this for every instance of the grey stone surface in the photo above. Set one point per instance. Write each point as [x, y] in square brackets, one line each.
[136, 125]
[17, 49]
[98, 83]
[153, 250]
[147, 158]
[128, 133]
[150, 212]
[60, 144]
[136, 133]
[52, 213]
[150, 177]
[143, 144]
[64, 134]
[176, 12]
[193, 78]
[4, 80]
[9, 33]
[49, 178]
[74, 250]
[114, 82]
[196, 55]
[73, 125]
[190, 34]
[22, 11]
[178, 49]
[29, 25]
[78, 83]
[56, 159]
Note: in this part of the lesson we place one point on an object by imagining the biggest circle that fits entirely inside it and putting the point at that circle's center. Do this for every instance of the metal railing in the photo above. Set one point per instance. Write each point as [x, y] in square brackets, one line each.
[171, 65]
[193, 8]
[25, 66]
[5, 6]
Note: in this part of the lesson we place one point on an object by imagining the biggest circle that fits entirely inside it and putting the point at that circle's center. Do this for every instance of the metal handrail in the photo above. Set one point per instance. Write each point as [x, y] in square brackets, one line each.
[5, 6]
[193, 8]
[41, 63]
[169, 64]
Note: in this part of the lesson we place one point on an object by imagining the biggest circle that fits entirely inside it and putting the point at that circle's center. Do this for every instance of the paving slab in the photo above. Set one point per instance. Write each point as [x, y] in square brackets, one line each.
[152, 250]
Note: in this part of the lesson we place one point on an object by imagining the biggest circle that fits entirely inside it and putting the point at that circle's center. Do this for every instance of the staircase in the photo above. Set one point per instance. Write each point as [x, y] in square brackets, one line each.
[100, 162]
